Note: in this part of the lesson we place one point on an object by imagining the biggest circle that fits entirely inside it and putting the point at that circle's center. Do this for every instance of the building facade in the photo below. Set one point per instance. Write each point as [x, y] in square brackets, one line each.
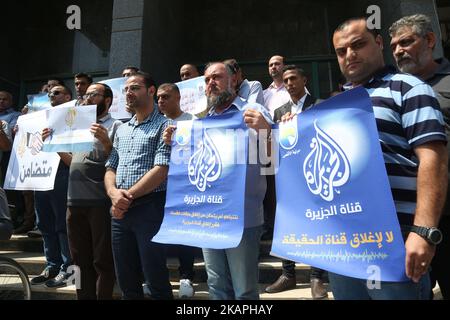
[158, 36]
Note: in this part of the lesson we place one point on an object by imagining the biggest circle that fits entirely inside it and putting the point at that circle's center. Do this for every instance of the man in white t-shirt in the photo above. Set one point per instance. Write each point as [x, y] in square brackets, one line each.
[169, 96]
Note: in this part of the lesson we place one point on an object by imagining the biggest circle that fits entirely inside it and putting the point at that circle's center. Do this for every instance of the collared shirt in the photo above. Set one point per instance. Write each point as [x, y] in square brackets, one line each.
[87, 171]
[298, 108]
[407, 115]
[138, 148]
[275, 97]
[255, 187]
[185, 117]
[10, 116]
[251, 91]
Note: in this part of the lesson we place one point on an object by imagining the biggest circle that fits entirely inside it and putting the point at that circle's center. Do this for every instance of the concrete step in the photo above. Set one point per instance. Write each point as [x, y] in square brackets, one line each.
[301, 292]
[35, 262]
[22, 243]
[269, 267]
[26, 244]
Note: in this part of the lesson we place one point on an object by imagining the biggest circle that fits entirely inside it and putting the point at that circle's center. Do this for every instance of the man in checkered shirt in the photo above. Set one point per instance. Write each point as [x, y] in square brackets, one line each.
[135, 181]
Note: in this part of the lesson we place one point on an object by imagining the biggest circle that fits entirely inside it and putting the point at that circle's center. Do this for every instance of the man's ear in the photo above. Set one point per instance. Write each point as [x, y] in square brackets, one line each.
[379, 41]
[431, 40]
[152, 90]
[108, 102]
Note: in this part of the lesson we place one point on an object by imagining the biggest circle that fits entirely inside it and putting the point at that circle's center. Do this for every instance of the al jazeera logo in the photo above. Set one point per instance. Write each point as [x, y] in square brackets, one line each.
[70, 117]
[288, 135]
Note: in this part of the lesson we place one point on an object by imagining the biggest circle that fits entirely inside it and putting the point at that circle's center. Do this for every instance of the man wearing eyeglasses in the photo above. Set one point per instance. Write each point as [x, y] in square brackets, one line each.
[51, 207]
[88, 217]
[135, 181]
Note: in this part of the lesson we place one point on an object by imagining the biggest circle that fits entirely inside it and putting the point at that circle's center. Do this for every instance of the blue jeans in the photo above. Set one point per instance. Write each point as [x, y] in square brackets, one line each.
[135, 254]
[234, 273]
[346, 288]
[51, 208]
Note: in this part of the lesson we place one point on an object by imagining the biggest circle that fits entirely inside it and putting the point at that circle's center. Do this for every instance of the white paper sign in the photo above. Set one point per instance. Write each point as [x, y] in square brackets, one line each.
[119, 104]
[71, 129]
[193, 98]
[29, 168]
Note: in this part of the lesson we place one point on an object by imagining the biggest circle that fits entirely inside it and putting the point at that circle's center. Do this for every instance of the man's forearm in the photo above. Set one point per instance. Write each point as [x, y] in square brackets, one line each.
[66, 158]
[110, 181]
[149, 182]
[432, 182]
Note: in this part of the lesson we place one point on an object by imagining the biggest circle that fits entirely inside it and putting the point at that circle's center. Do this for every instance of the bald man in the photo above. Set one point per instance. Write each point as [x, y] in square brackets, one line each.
[188, 71]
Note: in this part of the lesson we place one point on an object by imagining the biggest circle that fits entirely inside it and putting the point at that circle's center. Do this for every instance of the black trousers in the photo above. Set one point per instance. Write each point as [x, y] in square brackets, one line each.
[289, 270]
[89, 233]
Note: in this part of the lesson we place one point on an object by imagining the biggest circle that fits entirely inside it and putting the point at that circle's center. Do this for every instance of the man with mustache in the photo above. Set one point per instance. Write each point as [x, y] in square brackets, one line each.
[413, 141]
[233, 273]
[413, 42]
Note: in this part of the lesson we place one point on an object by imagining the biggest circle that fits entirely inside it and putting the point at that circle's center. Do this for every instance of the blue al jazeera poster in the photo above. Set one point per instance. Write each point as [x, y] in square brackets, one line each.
[206, 184]
[334, 205]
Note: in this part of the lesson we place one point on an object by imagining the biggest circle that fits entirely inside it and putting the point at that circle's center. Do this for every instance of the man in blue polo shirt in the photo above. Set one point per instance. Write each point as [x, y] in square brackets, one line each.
[413, 141]
[135, 181]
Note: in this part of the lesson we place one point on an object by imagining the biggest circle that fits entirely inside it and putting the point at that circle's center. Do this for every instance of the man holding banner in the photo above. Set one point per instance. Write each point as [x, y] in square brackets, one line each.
[232, 266]
[88, 217]
[135, 181]
[51, 207]
[412, 136]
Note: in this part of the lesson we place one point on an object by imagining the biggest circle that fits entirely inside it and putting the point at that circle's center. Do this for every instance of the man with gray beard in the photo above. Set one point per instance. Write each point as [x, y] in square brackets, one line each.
[233, 273]
[412, 44]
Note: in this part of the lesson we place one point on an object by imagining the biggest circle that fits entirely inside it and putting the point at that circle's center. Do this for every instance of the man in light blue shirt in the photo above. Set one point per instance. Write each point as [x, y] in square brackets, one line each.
[233, 273]
[251, 91]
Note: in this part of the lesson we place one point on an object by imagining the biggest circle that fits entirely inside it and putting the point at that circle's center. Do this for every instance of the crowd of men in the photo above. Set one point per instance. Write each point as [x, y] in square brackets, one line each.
[109, 202]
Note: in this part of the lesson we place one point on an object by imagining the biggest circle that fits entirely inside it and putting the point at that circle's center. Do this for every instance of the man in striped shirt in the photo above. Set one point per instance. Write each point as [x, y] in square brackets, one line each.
[413, 141]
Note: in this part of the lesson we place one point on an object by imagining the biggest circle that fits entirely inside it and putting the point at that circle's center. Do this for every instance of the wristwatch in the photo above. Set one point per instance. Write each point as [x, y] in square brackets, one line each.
[432, 235]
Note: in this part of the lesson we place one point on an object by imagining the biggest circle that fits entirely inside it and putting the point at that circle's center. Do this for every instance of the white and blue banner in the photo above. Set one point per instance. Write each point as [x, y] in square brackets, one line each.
[193, 97]
[119, 104]
[334, 205]
[71, 129]
[38, 102]
[29, 168]
[206, 185]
